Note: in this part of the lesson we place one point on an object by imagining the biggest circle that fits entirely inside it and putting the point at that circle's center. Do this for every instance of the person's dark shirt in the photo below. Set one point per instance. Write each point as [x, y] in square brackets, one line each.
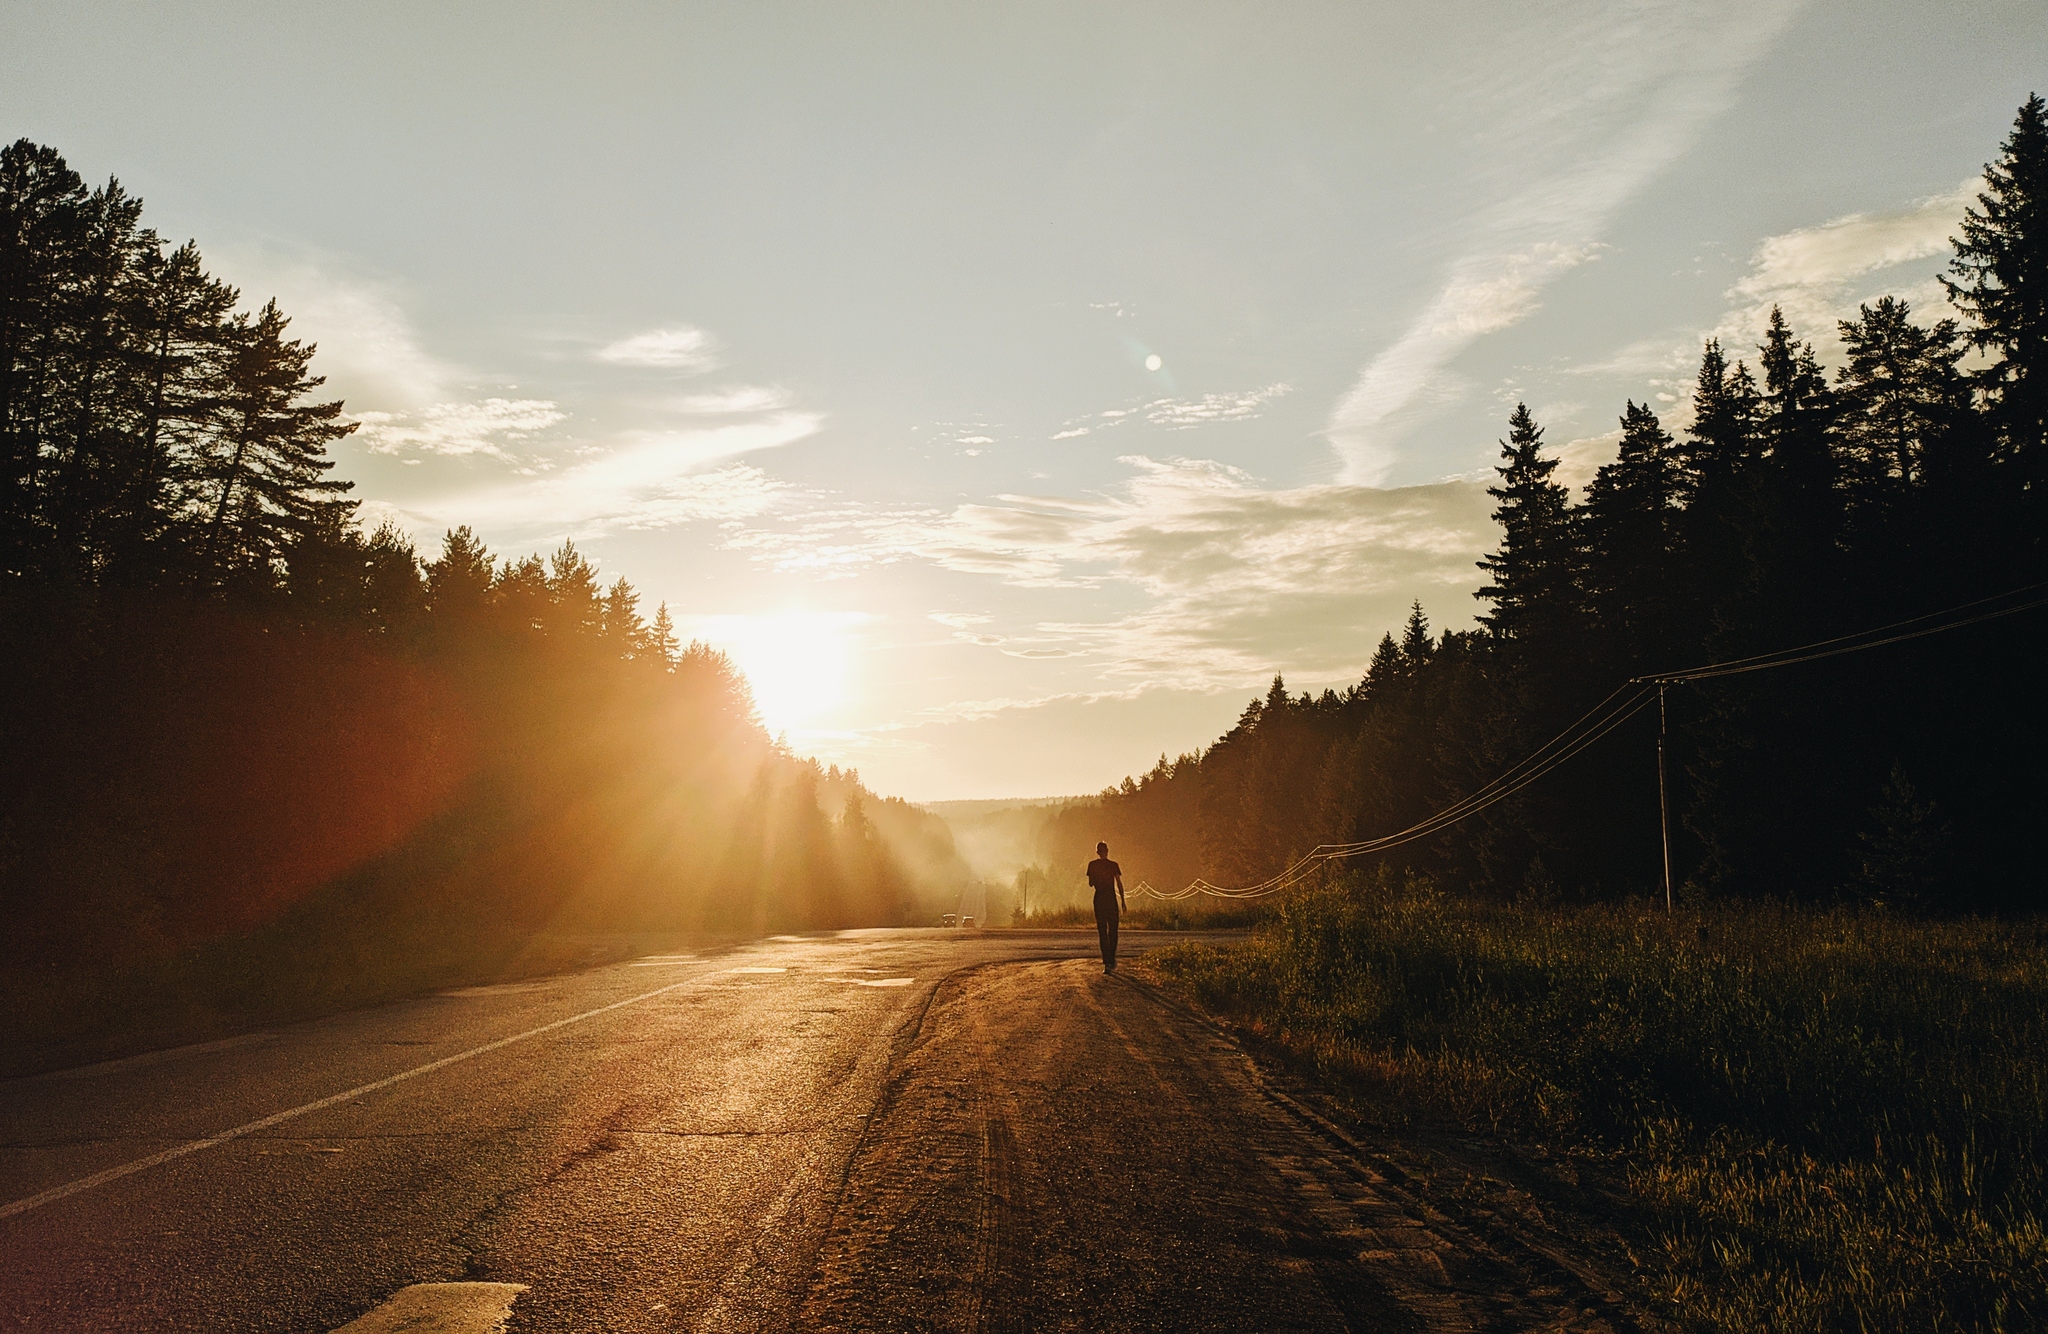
[1103, 873]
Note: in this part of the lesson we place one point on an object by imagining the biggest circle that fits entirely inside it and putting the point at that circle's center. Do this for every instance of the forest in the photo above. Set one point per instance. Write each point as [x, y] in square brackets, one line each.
[258, 758]
[1791, 506]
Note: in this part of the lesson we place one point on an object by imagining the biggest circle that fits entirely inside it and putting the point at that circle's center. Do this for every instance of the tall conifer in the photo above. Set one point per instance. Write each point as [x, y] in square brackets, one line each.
[2002, 261]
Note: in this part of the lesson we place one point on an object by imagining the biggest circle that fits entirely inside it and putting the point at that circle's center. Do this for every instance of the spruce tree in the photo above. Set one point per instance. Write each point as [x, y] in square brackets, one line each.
[662, 645]
[1533, 591]
[459, 579]
[2001, 261]
[1633, 562]
[576, 606]
[1416, 645]
[619, 624]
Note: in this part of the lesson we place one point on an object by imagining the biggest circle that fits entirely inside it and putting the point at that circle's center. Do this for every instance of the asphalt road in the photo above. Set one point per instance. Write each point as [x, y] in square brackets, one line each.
[874, 1130]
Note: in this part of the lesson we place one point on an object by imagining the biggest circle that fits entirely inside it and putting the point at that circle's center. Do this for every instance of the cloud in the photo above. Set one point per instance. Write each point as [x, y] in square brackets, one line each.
[457, 429]
[1818, 275]
[1578, 460]
[658, 481]
[728, 402]
[1585, 113]
[1240, 579]
[1181, 413]
[368, 348]
[681, 349]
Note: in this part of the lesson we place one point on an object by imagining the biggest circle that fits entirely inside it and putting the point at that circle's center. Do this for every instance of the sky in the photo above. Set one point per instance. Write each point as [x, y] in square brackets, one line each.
[1014, 390]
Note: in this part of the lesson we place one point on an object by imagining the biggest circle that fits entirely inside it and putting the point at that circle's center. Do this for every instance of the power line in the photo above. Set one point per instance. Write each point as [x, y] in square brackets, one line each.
[1856, 643]
[1621, 704]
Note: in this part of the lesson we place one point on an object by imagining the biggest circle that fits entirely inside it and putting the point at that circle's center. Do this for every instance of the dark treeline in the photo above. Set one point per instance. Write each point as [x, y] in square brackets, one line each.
[1796, 505]
[229, 709]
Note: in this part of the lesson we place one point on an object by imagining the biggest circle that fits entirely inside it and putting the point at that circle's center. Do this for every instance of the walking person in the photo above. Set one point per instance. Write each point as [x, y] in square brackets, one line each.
[1107, 878]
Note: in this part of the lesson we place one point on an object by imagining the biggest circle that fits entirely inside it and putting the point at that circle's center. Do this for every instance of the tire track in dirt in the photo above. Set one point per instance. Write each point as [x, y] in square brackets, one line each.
[1061, 1150]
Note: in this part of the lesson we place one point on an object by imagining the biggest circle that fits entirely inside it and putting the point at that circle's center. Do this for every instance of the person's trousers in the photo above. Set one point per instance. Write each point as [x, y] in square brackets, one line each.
[1105, 926]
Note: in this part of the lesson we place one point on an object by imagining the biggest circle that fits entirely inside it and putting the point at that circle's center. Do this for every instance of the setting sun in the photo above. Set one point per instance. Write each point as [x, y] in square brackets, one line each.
[795, 662]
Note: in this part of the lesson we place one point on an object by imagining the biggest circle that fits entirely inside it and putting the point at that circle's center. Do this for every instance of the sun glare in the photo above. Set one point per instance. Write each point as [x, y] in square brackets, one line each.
[797, 662]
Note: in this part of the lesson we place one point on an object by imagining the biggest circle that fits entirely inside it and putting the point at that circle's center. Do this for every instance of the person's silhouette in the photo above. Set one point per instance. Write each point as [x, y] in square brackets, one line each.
[1108, 879]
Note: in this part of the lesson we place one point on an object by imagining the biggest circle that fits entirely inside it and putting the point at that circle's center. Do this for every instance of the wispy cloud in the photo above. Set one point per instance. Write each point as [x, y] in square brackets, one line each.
[369, 350]
[728, 402]
[459, 428]
[1817, 275]
[1240, 578]
[1618, 92]
[682, 349]
[654, 481]
[1181, 413]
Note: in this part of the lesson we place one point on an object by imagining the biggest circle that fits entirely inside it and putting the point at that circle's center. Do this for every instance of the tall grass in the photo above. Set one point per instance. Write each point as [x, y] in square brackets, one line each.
[1839, 1117]
[1154, 917]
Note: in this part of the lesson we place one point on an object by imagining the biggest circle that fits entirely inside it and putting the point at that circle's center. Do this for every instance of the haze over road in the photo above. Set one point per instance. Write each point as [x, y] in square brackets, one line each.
[876, 1129]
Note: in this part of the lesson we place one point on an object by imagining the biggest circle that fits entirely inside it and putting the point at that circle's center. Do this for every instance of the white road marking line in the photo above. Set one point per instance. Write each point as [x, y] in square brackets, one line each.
[879, 981]
[56, 1193]
[441, 1308]
[757, 970]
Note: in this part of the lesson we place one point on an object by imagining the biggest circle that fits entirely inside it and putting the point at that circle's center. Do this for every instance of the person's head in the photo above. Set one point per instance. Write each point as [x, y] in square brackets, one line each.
[1102, 849]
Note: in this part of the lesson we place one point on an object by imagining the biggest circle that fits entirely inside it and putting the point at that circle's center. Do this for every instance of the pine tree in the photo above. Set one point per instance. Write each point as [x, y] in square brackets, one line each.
[1722, 439]
[619, 624]
[1386, 670]
[90, 433]
[1416, 645]
[459, 579]
[576, 609]
[1534, 571]
[181, 314]
[2001, 260]
[520, 594]
[267, 470]
[42, 221]
[1903, 399]
[1634, 551]
[662, 645]
[1797, 414]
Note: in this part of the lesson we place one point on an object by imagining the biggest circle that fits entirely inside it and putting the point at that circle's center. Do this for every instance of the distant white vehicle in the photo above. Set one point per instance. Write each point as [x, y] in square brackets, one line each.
[948, 920]
[967, 921]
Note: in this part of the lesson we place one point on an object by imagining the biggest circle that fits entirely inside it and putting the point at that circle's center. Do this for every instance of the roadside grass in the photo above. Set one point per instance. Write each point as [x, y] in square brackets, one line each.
[1154, 917]
[1838, 1117]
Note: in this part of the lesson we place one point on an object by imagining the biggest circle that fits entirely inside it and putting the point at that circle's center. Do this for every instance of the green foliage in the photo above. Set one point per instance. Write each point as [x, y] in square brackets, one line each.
[1838, 1116]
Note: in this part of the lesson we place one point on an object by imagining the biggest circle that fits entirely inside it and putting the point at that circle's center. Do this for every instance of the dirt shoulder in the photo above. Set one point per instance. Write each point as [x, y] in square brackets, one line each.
[1062, 1150]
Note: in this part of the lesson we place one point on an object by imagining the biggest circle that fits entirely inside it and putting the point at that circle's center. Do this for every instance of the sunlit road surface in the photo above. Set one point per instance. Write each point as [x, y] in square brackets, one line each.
[874, 1130]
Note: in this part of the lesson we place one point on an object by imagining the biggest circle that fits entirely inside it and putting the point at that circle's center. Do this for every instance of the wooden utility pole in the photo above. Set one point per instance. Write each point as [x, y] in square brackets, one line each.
[1663, 800]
